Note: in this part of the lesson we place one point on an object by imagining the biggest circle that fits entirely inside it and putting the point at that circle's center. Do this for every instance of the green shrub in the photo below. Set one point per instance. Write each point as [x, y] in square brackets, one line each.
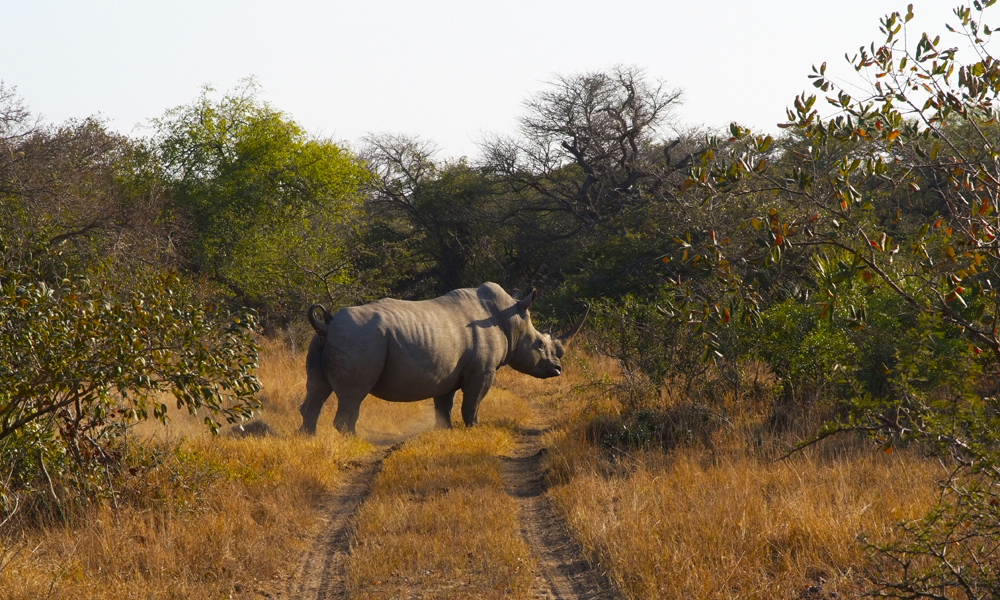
[82, 359]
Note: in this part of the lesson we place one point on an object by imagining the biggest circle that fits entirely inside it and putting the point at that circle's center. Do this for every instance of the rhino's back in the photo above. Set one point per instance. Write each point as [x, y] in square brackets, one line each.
[420, 348]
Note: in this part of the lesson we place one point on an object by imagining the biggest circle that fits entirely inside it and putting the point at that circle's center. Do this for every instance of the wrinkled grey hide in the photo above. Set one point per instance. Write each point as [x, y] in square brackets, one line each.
[406, 351]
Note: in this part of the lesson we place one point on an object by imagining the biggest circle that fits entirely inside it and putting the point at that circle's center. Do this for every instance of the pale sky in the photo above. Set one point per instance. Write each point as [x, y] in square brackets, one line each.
[449, 71]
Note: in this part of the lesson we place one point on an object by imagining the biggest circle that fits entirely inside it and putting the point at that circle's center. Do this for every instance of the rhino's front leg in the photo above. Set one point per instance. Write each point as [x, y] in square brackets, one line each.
[474, 388]
[442, 410]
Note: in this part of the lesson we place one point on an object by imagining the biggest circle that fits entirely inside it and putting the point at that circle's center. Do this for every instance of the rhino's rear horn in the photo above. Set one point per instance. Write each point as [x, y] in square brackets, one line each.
[525, 302]
[324, 317]
[566, 337]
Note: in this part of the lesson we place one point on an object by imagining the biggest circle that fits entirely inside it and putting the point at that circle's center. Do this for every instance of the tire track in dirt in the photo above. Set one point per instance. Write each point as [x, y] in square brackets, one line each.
[563, 572]
[321, 574]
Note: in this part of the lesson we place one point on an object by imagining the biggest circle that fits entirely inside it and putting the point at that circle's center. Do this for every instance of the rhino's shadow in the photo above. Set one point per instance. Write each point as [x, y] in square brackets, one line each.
[410, 426]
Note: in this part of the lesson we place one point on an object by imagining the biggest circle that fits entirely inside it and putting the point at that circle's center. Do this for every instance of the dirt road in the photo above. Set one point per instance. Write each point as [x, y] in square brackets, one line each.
[562, 571]
[320, 574]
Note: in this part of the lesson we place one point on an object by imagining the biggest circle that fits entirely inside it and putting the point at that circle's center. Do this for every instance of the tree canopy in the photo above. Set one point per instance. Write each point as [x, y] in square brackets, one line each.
[265, 205]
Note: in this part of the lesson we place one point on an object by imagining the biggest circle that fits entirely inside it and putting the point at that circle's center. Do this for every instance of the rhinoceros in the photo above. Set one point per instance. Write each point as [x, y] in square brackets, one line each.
[404, 351]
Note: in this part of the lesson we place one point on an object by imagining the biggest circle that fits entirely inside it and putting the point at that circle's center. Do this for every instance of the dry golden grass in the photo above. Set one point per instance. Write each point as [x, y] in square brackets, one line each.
[216, 516]
[721, 518]
[438, 523]
[676, 527]
[713, 518]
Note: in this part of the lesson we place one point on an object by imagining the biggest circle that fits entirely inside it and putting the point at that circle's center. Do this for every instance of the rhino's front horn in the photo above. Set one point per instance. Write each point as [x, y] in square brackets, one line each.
[566, 337]
[525, 302]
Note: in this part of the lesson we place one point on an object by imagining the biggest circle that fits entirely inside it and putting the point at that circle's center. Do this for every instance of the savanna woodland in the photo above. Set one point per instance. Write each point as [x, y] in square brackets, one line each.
[788, 385]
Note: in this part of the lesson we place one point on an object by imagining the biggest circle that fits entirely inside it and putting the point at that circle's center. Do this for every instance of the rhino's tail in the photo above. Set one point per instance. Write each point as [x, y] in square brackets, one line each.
[319, 324]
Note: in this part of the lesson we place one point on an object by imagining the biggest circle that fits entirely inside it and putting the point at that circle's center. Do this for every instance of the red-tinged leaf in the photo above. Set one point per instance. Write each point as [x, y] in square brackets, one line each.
[778, 240]
[976, 349]
[874, 244]
[866, 275]
[937, 223]
[984, 207]
[813, 218]
[725, 315]
[914, 187]
[843, 204]
[888, 449]
[893, 135]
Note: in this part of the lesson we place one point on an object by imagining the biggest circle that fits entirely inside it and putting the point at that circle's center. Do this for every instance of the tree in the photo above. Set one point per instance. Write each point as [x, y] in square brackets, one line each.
[587, 145]
[82, 359]
[81, 185]
[268, 207]
[447, 220]
[584, 178]
[896, 194]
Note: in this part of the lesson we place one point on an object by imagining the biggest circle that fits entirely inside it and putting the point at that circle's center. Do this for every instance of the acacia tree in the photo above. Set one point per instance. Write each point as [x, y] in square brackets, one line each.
[587, 145]
[589, 166]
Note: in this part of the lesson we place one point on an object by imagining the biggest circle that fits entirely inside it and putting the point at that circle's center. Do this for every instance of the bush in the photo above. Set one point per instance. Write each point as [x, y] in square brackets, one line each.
[82, 359]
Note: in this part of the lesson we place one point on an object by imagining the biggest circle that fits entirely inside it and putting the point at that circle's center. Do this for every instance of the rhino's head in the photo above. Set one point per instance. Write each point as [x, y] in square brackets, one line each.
[533, 352]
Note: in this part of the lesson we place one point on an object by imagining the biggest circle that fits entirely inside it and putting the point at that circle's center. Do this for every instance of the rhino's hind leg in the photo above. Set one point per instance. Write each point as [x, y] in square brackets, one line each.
[313, 404]
[317, 387]
[442, 410]
[348, 408]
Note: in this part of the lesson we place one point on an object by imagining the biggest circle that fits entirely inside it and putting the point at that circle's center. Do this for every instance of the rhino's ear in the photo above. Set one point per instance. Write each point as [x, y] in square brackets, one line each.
[566, 337]
[516, 294]
[525, 302]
